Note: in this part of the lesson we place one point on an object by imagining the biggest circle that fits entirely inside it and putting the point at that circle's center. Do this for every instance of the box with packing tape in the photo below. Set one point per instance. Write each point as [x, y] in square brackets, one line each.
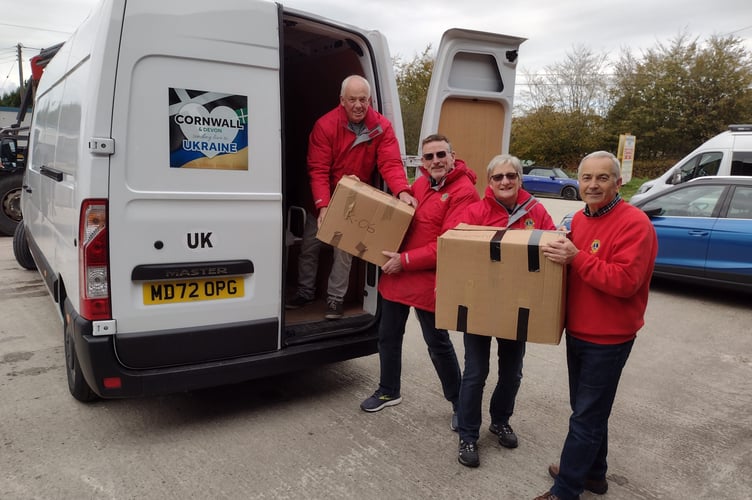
[497, 282]
[363, 221]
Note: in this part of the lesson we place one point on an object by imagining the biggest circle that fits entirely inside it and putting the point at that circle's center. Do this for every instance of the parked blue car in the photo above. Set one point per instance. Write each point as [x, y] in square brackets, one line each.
[550, 181]
[704, 230]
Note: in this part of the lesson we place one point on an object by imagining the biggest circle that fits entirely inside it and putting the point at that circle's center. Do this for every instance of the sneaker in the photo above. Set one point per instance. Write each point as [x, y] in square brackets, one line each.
[454, 423]
[297, 302]
[468, 454]
[379, 401]
[597, 486]
[333, 309]
[507, 437]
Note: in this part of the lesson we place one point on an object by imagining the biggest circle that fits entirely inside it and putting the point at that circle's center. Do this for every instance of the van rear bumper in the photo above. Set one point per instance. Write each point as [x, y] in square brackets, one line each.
[98, 361]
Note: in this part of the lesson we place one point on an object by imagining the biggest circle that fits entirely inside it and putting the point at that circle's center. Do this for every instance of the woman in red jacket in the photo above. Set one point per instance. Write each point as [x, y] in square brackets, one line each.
[444, 189]
[505, 205]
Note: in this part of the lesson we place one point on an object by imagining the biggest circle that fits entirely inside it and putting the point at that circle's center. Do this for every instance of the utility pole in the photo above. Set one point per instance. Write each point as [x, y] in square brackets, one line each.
[20, 66]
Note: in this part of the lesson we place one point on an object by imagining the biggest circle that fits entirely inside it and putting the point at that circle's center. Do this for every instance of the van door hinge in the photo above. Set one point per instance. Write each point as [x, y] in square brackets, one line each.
[101, 146]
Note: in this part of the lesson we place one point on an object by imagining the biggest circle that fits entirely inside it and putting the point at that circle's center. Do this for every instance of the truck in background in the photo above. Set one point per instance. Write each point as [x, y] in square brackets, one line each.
[13, 145]
[167, 168]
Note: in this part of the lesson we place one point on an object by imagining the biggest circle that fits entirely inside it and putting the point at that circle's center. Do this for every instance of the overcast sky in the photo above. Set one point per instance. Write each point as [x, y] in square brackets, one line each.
[552, 27]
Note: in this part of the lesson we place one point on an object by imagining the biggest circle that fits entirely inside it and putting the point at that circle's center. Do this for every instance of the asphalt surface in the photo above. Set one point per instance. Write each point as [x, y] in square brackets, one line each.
[681, 426]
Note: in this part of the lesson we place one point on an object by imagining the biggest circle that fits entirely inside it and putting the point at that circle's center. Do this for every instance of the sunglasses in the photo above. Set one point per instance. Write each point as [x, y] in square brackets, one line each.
[439, 155]
[512, 176]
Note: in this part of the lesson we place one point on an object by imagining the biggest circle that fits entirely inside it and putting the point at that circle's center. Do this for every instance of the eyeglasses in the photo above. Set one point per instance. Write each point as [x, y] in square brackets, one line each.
[512, 176]
[439, 155]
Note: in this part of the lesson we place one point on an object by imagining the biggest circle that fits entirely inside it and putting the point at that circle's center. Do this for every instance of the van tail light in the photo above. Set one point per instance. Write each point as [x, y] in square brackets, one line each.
[93, 261]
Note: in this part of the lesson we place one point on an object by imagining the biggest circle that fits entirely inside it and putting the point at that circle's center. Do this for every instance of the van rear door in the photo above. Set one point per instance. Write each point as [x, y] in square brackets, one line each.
[195, 204]
[471, 93]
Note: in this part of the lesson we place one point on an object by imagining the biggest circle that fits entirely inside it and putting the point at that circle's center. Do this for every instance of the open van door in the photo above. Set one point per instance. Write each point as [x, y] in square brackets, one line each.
[471, 93]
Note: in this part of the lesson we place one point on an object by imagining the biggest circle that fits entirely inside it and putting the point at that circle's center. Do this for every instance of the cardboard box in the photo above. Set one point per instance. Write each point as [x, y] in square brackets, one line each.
[496, 282]
[363, 221]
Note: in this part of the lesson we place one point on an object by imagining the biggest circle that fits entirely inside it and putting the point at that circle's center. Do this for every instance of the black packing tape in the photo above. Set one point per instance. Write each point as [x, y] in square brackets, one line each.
[533, 247]
[523, 316]
[495, 245]
[462, 319]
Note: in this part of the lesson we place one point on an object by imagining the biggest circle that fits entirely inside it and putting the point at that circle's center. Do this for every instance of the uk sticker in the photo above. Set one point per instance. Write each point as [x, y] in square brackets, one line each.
[208, 130]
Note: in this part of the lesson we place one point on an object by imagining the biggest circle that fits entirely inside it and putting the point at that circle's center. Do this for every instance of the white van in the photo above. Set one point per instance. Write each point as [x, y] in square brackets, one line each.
[728, 153]
[166, 162]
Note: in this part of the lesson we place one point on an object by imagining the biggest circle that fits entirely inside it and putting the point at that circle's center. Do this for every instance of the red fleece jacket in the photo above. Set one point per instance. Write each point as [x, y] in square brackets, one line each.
[437, 211]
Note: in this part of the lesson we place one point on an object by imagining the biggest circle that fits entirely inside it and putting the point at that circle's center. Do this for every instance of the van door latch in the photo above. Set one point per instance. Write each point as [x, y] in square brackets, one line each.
[101, 146]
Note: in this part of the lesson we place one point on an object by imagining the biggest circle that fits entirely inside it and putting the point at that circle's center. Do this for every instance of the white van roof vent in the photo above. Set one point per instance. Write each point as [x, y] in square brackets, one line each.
[740, 128]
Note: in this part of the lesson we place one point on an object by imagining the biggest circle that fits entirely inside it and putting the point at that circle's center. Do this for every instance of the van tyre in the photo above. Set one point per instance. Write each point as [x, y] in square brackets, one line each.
[569, 193]
[21, 249]
[77, 385]
[10, 203]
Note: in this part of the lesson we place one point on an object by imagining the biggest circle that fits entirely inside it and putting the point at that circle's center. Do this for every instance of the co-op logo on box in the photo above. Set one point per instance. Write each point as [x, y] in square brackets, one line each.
[208, 130]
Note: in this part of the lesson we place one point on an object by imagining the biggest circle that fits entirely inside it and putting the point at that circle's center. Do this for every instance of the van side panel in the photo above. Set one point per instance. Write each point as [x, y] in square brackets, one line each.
[175, 200]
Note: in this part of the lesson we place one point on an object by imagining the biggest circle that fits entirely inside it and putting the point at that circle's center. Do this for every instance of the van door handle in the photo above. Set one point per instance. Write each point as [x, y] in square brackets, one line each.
[26, 188]
[51, 173]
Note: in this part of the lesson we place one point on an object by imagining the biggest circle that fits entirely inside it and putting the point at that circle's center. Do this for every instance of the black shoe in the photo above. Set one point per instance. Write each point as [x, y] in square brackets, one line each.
[297, 302]
[379, 401]
[468, 454]
[333, 310]
[597, 486]
[507, 437]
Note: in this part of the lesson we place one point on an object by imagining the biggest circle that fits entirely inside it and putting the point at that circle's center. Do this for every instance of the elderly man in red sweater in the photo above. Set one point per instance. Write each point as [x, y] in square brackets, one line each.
[610, 254]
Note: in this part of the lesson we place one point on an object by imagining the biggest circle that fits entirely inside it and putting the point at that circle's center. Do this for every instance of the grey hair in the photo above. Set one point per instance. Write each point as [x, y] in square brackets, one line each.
[502, 159]
[615, 166]
[351, 78]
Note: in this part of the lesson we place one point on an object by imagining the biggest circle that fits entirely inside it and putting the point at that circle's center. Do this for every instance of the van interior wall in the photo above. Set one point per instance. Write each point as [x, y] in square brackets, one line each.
[312, 84]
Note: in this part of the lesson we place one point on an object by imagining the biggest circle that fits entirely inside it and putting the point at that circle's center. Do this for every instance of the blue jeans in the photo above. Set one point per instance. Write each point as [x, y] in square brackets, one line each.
[477, 353]
[440, 349]
[594, 373]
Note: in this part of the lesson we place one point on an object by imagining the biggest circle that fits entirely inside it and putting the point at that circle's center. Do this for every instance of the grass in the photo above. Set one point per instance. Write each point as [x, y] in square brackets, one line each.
[630, 188]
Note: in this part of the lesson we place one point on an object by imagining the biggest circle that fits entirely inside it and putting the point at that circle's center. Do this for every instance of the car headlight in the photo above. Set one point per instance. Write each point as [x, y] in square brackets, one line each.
[644, 188]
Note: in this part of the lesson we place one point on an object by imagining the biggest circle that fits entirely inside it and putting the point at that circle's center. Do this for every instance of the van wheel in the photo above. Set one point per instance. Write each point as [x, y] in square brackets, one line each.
[21, 249]
[77, 385]
[10, 203]
[569, 193]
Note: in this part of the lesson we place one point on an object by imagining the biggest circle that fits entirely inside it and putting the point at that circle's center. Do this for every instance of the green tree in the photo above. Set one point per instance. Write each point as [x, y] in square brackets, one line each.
[563, 111]
[681, 94]
[11, 99]
[413, 78]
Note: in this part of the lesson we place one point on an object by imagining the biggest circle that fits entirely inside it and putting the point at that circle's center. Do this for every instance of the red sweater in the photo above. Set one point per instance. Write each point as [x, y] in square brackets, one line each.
[416, 284]
[331, 154]
[489, 212]
[609, 278]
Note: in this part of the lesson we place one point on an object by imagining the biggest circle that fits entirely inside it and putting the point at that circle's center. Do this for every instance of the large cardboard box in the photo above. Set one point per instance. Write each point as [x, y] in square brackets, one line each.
[363, 221]
[497, 282]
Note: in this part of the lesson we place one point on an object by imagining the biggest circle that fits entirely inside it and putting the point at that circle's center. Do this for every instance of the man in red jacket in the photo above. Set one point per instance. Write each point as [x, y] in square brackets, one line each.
[611, 256]
[446, 186]
[509, 206]
[351, 139]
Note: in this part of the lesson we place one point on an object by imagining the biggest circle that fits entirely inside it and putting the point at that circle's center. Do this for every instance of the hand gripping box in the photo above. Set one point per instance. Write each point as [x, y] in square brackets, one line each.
[496, 282]
[363, 221]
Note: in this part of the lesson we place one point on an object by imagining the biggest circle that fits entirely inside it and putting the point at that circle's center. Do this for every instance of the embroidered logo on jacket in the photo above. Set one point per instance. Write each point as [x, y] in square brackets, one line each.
[595, 245]
[445, 197]
[529, 223]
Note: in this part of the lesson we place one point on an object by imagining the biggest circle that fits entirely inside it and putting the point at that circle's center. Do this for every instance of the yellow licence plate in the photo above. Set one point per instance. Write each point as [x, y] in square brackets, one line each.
[169, 292]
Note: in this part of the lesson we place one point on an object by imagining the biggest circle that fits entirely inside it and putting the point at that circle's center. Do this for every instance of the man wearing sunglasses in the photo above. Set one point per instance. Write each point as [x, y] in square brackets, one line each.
[506, 205]
[351, 139]
[444, 188]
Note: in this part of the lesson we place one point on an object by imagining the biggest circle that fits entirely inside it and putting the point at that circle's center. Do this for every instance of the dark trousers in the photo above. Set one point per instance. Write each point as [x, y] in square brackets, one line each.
[477, 354]
[594, 373]
[440, 349]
